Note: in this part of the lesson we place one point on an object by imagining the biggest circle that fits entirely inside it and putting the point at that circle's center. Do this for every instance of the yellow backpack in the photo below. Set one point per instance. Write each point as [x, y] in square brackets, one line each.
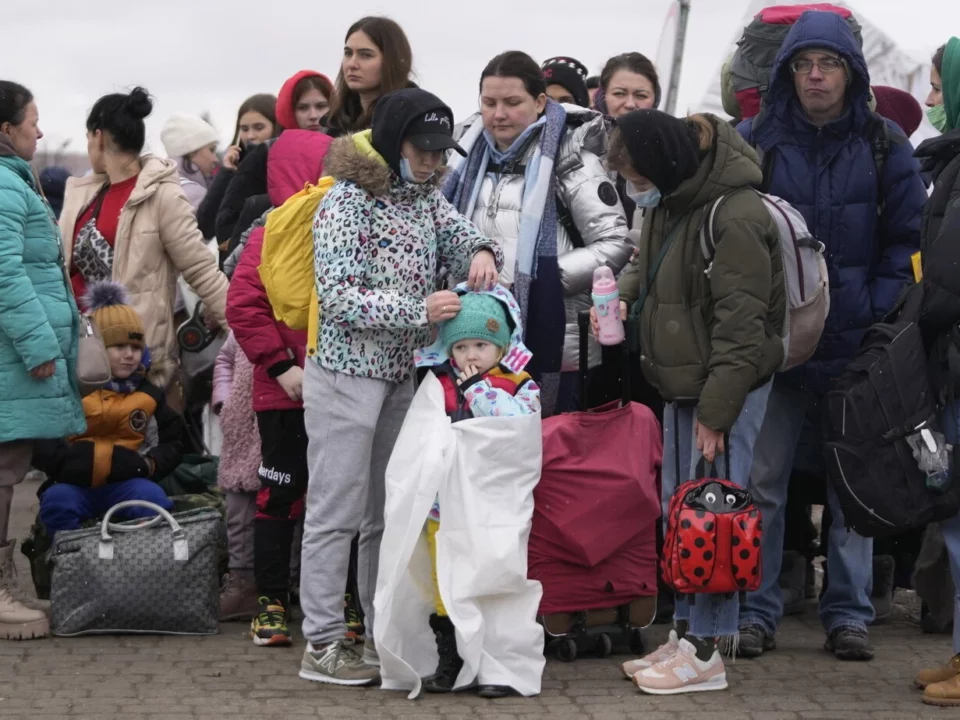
[286, 261]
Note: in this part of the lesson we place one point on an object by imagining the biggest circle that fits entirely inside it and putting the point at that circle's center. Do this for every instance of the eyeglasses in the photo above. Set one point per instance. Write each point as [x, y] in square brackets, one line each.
[825, 65]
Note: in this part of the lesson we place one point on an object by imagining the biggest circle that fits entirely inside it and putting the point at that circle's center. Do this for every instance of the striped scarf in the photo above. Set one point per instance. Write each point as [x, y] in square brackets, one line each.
[536, 283]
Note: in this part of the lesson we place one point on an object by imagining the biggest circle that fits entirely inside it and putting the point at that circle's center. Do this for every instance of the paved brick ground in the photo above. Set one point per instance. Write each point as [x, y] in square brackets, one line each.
[226, 676]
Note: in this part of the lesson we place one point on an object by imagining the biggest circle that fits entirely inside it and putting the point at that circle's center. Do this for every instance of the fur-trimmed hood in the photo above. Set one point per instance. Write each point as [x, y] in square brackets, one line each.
[354, 158]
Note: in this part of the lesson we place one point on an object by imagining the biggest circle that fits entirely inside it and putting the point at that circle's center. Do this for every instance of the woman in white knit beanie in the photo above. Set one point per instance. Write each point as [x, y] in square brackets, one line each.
[192, 142]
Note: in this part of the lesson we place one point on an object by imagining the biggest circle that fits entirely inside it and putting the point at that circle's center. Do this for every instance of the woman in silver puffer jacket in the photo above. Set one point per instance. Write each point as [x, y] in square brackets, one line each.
[533, 179]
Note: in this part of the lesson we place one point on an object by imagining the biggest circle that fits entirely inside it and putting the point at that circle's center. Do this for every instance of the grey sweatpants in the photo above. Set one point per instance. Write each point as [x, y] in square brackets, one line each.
[352, 425]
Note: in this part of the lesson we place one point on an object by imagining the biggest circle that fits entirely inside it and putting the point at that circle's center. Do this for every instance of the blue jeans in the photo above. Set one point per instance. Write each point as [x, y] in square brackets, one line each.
[65, 507]
[709, 615]
[792, 436]
[950, 422]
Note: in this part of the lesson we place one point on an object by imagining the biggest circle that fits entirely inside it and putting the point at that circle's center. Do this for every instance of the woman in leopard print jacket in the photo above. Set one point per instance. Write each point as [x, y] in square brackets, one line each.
[380, 235]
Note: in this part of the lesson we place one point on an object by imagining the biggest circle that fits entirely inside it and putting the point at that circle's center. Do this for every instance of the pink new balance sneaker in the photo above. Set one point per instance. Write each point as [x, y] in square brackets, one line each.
[683, 673]
[665, 651]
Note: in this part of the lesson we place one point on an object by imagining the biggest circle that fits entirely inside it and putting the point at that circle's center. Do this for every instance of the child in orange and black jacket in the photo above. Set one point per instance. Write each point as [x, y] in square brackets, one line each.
[132, 438]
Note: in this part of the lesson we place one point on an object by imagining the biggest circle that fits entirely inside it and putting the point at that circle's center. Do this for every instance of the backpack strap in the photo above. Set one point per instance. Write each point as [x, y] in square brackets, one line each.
[880, 137]
[565, 218]
[708, 243]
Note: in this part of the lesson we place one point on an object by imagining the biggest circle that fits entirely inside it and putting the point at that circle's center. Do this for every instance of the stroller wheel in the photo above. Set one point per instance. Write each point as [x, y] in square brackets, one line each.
[637, 644]
[567, 650]
[604, 645]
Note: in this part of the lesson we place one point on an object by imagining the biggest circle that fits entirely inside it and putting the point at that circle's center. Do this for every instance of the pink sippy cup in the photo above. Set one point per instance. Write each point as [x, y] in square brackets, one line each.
[606, 300]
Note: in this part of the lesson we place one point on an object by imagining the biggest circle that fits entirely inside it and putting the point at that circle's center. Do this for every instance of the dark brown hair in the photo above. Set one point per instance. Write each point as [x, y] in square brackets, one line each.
[14, 99]
[516, 64]
[312, 82]
[263, 103]
[636, 63]
[938, 59]
[346, 111]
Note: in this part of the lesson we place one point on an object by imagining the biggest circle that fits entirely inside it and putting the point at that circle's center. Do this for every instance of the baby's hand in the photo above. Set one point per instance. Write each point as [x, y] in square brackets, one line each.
[467, 373]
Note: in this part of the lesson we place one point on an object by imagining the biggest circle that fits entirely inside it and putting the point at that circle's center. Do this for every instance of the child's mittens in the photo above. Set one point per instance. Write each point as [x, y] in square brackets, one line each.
[127, 464]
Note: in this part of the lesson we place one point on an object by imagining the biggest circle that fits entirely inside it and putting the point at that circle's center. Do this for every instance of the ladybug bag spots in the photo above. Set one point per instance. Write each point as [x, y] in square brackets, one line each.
[713, 538]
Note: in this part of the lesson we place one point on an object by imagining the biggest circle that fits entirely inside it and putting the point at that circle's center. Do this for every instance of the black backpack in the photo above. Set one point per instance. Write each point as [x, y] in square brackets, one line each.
[883, 396]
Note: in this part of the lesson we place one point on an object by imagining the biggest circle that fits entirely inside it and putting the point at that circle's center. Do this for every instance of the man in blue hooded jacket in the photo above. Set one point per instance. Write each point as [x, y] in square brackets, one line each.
[818, 140]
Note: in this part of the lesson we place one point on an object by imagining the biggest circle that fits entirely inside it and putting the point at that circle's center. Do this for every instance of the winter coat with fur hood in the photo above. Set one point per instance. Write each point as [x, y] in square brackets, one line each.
[378, 243]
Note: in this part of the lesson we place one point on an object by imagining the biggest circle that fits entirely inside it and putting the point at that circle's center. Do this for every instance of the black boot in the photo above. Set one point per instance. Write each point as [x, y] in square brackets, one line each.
[449, 666]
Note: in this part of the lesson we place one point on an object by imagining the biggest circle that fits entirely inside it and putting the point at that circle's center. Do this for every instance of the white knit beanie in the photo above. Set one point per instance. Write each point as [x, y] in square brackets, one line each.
[184, 134]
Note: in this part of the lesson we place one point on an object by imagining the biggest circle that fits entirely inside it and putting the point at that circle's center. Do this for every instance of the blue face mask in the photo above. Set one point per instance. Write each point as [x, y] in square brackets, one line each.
[406, 172]
[646, 199]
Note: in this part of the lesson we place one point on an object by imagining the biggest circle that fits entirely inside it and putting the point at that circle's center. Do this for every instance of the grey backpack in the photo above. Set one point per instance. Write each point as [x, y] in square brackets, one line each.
[807, 284]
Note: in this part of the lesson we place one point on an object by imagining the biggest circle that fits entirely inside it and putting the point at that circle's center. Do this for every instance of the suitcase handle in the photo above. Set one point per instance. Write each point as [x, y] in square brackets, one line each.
[181, 550]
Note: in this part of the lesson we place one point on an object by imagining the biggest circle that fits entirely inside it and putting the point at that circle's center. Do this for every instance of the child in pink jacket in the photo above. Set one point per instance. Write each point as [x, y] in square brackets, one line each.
[237, 475]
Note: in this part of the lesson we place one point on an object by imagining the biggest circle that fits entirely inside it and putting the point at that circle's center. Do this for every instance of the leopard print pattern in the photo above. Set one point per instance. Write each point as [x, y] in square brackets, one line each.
[92, 254]
[376, 260]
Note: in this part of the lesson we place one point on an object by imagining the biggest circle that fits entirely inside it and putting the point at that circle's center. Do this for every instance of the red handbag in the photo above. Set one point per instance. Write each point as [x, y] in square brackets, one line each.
[712, 544]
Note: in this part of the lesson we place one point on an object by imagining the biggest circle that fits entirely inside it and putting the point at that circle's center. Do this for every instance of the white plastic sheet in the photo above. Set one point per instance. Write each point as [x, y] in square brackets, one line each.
[484, 471]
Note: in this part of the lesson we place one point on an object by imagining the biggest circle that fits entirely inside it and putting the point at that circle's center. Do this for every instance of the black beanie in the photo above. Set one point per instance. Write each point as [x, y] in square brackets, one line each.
[569, 73]
[394, 114]
[664, 149]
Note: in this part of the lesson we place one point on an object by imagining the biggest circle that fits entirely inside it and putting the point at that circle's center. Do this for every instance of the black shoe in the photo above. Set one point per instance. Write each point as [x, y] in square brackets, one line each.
[881, 598]
[450, 664]
[792, 582]
[754, 641]
[492, 692]
[810, 586]
[849, 643]
[930, 625]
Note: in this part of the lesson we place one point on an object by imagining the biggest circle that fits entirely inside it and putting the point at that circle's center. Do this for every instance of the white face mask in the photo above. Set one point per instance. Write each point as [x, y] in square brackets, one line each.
[406, 172]
[646, 199]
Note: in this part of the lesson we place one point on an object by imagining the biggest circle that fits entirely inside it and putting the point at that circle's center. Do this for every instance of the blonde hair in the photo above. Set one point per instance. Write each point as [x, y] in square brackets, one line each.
[705, 131]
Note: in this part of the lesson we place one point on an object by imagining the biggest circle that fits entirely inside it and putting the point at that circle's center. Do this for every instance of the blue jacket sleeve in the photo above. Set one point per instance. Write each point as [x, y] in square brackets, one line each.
[22, 317]
[484, 400]
[900, 227]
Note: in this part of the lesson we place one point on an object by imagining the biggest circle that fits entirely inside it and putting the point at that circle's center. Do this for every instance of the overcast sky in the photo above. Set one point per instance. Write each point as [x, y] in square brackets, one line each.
[208, 55]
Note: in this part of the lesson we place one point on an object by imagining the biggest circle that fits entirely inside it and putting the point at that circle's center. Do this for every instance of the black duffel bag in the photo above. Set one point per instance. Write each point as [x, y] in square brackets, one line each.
[883, 397]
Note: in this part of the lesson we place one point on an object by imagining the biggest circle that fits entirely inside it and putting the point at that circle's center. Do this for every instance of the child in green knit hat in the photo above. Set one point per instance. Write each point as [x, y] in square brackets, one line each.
[479, 358]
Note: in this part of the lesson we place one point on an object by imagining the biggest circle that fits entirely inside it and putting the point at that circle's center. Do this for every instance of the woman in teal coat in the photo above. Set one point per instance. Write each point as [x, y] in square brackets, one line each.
[39, 326]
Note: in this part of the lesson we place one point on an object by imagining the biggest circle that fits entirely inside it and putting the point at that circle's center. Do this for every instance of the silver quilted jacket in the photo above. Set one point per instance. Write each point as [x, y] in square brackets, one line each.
[586, 191]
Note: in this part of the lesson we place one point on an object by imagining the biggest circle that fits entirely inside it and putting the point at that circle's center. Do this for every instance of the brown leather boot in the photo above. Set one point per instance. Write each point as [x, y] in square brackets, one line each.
[17, 621]
[238, 597]
[929, 676]
[946, 692]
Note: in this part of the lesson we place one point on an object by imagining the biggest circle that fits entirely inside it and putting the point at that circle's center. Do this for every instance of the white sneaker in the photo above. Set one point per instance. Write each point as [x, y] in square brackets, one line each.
[683, 673]
[667, 650]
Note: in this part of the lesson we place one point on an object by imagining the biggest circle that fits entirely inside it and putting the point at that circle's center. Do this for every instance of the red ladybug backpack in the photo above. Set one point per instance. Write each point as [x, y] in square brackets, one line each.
[713, 537]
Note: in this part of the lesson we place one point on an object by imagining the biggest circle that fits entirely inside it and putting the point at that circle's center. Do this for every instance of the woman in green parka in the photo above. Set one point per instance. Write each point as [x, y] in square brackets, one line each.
[39, 326]
[707, 335]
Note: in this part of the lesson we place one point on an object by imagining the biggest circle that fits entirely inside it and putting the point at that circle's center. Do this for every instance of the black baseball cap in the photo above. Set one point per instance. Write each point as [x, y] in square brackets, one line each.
[433, 131]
